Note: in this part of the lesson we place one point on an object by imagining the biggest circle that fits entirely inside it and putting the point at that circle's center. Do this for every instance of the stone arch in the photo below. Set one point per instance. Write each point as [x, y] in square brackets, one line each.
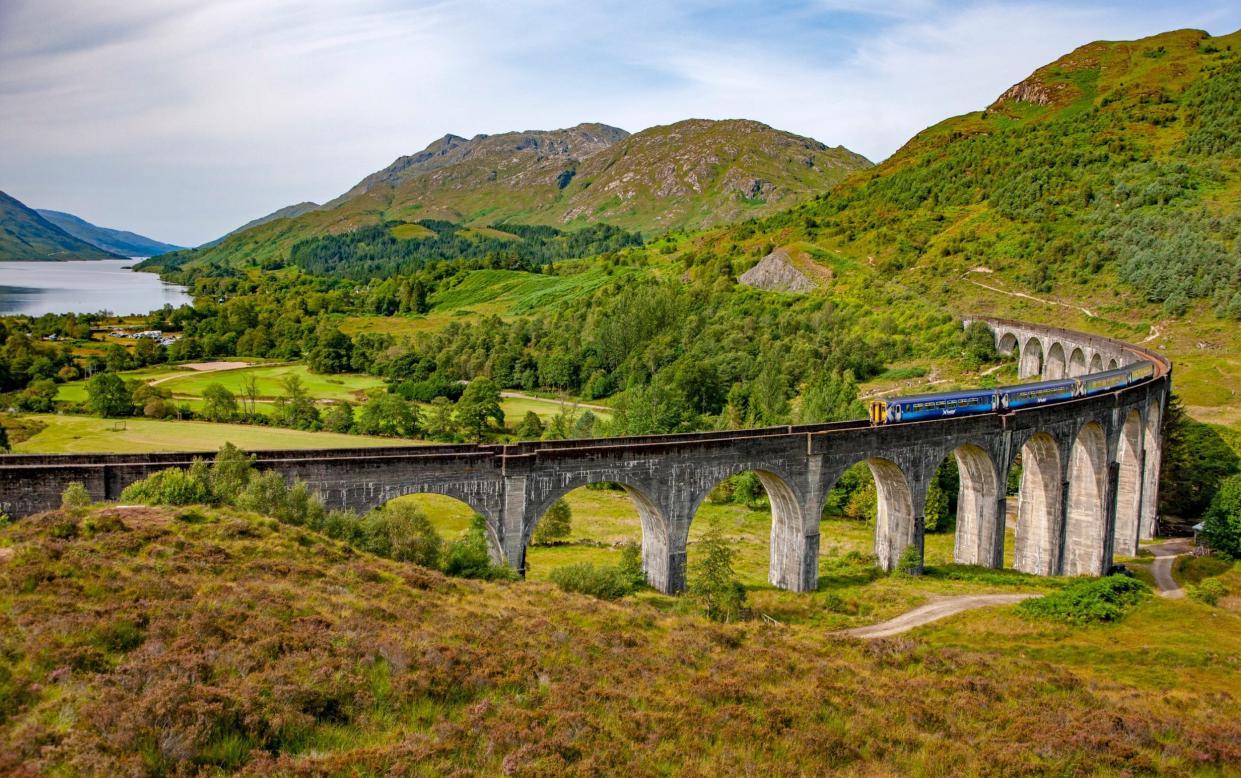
[1151, 458]
[1031, 363]
[1007, 343]
[1056, 364]
[1096, 363]
[1077, 363]
[980, 532]
[1128, 486]
[1112, 364]
[494, 544]
[1039, 505]
[663, 553]
[896, 526]
[1086, 507]
[791, 566]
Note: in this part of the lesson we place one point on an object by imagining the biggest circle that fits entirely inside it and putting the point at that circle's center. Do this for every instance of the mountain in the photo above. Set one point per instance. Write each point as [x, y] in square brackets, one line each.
[127, 244]
[287, 212]
[692, 174]
[25, 235]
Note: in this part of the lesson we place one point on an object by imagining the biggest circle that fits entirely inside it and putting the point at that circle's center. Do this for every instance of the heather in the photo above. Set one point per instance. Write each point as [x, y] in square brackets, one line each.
[174, 641]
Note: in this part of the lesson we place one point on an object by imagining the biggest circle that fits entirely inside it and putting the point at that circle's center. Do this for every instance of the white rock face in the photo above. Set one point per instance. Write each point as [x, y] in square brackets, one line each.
[776, 273]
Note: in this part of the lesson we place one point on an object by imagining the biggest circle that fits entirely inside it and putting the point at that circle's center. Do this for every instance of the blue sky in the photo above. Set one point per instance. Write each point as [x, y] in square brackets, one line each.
[182, 119]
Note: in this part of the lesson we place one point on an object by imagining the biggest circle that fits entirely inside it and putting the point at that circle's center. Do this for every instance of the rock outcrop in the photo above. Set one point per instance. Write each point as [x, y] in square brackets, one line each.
[777, 273]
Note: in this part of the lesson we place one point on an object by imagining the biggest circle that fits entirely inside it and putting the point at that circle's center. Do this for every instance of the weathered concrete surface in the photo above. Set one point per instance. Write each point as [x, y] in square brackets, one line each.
[1066, 519]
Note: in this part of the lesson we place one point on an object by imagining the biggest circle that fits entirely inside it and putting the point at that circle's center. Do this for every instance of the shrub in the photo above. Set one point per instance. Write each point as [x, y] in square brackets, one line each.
[1088, 601]
[631, 565]
[173, 486]
[555, 525]
[1208, 592]
[75, 496]
[715, 584]
[402, 531]
[230, 472]
[607, 582]
[468, 557]
[910, 561]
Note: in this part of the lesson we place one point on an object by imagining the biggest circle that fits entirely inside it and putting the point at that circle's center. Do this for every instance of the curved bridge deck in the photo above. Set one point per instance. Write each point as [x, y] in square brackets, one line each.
[1090, 473]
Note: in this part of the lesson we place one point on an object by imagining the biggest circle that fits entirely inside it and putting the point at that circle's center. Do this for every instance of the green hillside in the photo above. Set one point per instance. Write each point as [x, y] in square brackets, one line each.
[25, 235]
[691, 174]
[1103, 192]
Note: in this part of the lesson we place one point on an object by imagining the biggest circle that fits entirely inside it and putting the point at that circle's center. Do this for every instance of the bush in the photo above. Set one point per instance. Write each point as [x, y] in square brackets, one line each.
[75, 496]
[1088, 601]
[468, 557]
[230, 472]
[607, 582]
[1208, 592]
[910, 562]
[173, 486]
[401, 531]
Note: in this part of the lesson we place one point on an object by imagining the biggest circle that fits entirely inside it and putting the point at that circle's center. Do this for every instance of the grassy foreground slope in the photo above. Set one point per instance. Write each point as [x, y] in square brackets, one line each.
[264, 648]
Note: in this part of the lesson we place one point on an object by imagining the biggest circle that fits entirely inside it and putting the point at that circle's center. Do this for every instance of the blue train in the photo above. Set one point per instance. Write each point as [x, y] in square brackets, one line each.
[1004, 398]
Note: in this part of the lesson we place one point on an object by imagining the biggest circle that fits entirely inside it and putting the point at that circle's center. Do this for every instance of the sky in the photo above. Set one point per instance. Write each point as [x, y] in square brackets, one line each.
[182, 119]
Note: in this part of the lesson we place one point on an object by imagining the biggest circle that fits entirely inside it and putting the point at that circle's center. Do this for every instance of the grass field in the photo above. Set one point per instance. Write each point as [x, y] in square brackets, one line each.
[344, 386]
[849, 592]
[85, 434]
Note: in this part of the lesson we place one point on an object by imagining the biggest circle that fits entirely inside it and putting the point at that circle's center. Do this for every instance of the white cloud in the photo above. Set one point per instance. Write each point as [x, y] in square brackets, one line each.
[183, 119]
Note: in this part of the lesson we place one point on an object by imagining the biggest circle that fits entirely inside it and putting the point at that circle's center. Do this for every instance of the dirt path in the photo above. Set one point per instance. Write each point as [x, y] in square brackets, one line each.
[199, 368]
[1165, 554]
[1030, 297]
[932, 611]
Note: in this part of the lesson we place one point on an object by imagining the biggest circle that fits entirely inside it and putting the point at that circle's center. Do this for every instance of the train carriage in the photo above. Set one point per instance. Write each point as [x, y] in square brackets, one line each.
[1005, 398]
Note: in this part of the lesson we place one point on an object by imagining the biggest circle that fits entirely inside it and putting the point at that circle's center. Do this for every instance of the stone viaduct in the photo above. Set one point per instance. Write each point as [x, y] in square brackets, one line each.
[1089, 474]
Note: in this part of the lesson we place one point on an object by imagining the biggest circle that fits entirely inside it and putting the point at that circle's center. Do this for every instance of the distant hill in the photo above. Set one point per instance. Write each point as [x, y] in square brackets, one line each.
[287, 212]
[695, 173]
[127, 244]
[25, 235]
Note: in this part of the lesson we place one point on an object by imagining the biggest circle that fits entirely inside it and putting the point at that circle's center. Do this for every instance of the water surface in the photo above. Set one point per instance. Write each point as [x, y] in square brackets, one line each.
[36, 288]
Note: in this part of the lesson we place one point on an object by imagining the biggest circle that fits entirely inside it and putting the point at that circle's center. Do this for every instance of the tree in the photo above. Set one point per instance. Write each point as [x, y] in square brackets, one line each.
[830, 396]
[4, 439]
[403, 532]
[295, 408]
[715, 584]
[556, 524]
[339, 418]
[1195, 460]
[1221, 524]
[331, 352]
[439, 423]
[250, 392]
[230, 473]
[219, 404]
[478, 410]
[108, 396]
[388, 415]
[531, 427]
[978, 343]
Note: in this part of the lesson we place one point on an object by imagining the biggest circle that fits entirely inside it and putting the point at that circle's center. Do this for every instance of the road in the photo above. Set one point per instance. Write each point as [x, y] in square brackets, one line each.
[1165, 555]
[932, 611]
